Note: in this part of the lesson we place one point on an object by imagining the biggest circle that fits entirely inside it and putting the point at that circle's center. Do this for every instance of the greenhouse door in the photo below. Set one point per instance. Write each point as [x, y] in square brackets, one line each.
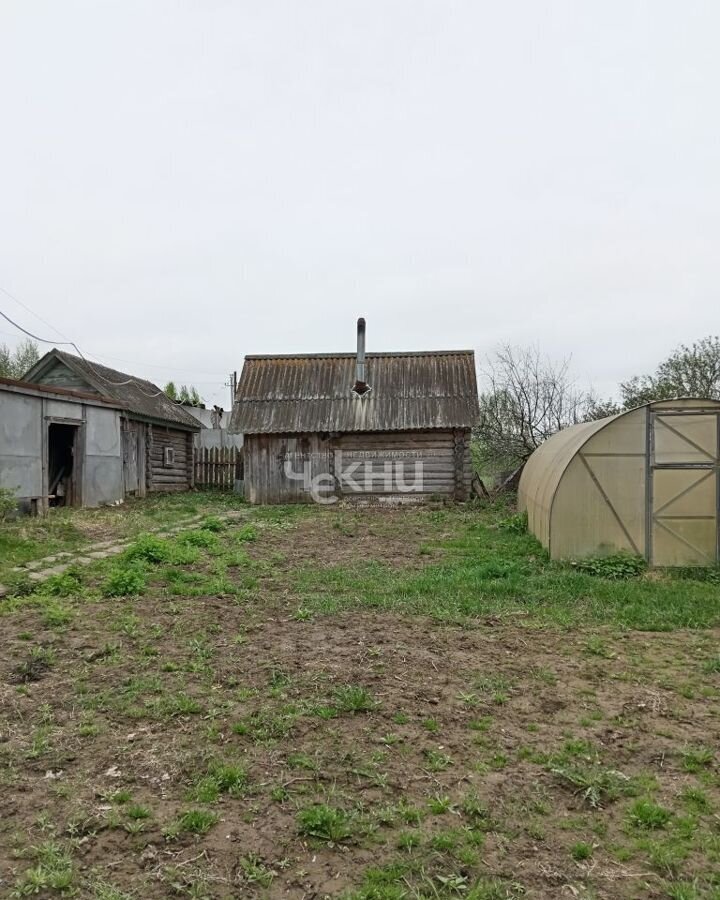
[683, 487]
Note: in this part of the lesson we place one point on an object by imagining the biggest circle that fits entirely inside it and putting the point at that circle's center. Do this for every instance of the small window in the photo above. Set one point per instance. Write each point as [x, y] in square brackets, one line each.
[169, 456]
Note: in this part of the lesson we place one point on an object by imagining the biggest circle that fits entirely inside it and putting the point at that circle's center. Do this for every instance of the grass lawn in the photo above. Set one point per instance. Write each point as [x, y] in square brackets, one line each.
[369, 705]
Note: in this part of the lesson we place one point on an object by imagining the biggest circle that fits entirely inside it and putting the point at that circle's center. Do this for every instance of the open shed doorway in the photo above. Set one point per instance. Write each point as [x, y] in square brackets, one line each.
[62, 469]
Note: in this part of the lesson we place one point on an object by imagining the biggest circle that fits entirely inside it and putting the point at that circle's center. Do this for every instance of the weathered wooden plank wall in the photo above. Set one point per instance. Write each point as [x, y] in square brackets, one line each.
[218, 467]
[381, 465]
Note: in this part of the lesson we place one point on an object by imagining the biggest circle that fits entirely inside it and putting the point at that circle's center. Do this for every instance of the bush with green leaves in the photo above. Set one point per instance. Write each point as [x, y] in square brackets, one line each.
[125, 579]
[66, 584]
[616, 566]
[199, 537]
[8, 502]
[150, 549]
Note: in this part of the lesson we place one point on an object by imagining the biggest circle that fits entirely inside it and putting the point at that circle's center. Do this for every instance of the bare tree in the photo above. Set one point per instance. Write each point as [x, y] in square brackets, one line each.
[528, 398]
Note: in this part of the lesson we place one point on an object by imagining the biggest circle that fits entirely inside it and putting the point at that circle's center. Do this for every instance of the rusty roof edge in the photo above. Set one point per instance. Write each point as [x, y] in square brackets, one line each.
[376, 355]
[62, 392]
[350, 396]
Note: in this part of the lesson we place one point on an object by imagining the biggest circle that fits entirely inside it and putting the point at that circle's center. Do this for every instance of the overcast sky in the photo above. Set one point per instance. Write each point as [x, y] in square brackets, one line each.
[182, 183]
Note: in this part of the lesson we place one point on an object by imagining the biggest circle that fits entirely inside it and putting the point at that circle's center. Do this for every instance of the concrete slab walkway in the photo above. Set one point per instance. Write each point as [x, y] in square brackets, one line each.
[39, 570]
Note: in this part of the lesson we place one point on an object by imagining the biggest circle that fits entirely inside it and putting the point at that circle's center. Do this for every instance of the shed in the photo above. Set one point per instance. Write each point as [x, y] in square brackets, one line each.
[59, 447]
[385, 427]
[156, 432]
[644, 481]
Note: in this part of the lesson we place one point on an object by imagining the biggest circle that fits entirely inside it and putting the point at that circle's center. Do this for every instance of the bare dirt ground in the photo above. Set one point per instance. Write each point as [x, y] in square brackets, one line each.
[241, 746]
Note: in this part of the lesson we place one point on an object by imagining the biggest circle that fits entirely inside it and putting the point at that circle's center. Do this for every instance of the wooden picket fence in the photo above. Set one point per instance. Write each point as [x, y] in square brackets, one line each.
[218, 467]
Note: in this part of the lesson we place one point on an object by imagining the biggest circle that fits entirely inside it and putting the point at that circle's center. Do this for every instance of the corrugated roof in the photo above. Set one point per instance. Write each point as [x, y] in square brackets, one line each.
[32, 388]
[138, 396]
[309, 393]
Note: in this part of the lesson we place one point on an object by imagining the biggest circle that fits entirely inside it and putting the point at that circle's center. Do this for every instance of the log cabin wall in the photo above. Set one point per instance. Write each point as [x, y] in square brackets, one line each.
[169, 459]
[364, 466]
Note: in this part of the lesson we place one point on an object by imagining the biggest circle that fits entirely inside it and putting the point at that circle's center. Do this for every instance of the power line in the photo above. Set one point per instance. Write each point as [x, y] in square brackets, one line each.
[87, 362]
[32, 312]
[67, 340]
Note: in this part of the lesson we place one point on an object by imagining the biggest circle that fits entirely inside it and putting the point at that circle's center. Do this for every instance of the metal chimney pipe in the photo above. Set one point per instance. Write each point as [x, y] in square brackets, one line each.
[360, 373]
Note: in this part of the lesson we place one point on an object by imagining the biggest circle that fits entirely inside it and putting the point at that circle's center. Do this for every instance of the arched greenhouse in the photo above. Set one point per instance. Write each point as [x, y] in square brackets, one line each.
[645, 481]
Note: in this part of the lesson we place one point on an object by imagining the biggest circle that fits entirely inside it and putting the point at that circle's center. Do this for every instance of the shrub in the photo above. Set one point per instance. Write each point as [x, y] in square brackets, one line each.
[616, 566]
[63, 585]
[8, 503]
[199, 537]
[124, 581]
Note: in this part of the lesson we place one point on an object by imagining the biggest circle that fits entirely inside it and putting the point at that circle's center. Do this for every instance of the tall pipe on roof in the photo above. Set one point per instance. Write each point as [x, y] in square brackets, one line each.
[360, 351]
[361, 385]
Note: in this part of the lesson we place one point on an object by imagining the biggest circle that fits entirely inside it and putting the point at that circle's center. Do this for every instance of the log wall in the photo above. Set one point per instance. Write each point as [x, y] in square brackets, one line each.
[387, 466]
[176, 476]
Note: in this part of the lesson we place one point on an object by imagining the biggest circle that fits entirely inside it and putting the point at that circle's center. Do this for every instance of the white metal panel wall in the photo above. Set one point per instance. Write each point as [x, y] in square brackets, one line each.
[103, 475]
[21, 444]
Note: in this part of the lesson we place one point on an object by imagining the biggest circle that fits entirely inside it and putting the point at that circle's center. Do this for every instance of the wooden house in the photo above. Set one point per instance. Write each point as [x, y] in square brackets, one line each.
[156, 433]
[381, 427]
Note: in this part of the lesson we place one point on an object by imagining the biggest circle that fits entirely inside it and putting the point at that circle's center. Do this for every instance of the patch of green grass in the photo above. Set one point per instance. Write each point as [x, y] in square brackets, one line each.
[487, 571]
[597, 646]
[439, 804]
[103, 890]
[647, 814]
[266, 725]
[193, 821]
[326, 823]
[36, 664]
[255, 871]
[125, 580]
[696, 799]
[137, 811]
[695, 759]
[54, 870]
[596, 784]
[220, 779]
[712, 666]
[581, 850]
[180, 705]
[436, 760]
[247, 533]
[515, 524]
[148, 548]
[615, 566]
[353, 699]
[67, 584]
[213, 523]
